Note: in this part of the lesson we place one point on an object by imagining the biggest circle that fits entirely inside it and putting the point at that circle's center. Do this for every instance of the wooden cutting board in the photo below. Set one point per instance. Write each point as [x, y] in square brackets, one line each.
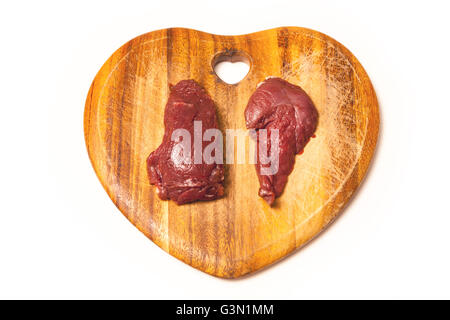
[240, 233]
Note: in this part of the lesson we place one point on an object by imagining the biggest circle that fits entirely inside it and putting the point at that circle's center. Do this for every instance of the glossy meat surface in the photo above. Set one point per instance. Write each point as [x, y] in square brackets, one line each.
[278, 104]
[179, 180]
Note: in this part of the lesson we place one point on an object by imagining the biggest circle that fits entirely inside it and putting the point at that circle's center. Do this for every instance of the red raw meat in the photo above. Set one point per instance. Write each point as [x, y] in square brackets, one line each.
[278, 104]
[181, 182]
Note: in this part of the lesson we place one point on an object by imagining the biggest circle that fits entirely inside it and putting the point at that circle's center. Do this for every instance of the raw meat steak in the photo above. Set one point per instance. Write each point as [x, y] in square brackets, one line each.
[278, 104]
[177, 179]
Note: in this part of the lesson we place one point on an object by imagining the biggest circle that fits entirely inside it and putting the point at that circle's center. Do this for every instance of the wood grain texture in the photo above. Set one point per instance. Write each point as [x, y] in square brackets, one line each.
[239, 233]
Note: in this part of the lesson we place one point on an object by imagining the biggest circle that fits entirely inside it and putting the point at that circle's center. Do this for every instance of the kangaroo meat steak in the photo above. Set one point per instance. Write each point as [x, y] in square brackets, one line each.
[173, 170]
[278, 104]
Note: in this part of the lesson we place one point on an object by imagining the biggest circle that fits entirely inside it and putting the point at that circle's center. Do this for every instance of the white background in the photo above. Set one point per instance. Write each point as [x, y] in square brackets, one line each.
[62, 237]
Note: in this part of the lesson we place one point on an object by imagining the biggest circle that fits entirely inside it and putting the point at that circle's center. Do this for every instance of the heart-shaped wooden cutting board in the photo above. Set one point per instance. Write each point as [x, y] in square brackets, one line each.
[240, 233]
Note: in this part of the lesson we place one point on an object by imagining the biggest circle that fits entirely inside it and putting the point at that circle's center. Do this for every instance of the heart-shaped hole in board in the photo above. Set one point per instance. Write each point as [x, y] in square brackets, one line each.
[231, 66]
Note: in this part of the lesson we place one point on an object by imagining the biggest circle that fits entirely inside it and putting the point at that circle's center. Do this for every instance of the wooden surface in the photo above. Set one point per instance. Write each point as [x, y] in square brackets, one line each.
[239, 233]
